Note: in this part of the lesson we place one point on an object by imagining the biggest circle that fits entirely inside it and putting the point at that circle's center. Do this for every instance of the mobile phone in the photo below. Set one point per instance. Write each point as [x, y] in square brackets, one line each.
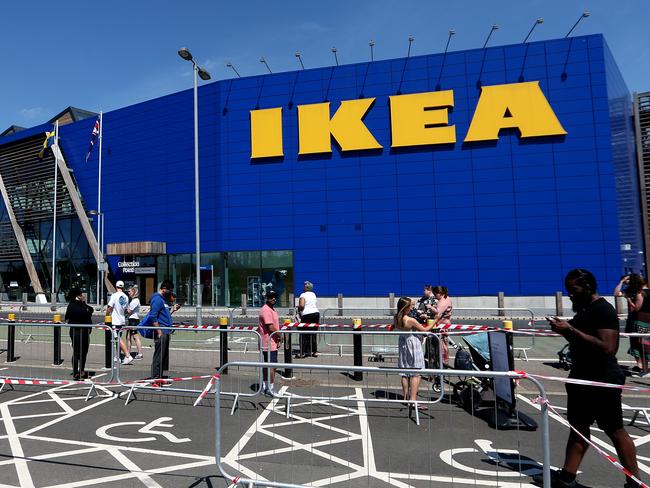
[550, 318]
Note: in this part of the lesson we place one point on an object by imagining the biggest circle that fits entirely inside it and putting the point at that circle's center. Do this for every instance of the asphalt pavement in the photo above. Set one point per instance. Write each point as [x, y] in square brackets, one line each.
[337, 431]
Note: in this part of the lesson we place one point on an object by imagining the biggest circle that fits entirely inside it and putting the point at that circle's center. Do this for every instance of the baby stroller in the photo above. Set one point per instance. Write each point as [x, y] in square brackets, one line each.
[467, 391]
[564, 356]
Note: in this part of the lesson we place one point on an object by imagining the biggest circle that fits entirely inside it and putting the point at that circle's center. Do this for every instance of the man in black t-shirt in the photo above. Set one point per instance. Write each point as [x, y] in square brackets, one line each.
[593, 340]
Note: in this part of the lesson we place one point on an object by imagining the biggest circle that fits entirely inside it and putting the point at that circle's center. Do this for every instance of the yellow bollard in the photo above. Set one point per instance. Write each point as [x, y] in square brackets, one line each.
[430, 322]
[223, 320]
[11, 317]
[108, 320]
[287, 321]
[356, 323]
[507, 324]
[57, 318]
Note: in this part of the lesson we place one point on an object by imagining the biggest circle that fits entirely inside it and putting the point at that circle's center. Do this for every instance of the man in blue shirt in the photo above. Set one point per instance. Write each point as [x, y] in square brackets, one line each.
[161, 317]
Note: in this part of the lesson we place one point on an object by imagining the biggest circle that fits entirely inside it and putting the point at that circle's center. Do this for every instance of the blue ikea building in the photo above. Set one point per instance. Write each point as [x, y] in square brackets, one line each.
[508, 215]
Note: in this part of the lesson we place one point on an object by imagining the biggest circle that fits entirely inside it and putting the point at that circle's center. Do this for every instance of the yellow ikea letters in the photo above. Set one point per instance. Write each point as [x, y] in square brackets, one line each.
[266, 133]
[518, 105]
[416, 119]
[315, 127]
[421, 119]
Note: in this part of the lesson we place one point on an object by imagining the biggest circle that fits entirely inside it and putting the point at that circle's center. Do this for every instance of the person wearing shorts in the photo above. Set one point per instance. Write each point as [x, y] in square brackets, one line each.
[593, 336]
[133, 313]
[269, 322]
[117, 310]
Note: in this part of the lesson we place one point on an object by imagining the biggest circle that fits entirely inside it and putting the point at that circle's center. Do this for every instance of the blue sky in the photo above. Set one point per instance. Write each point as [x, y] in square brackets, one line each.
[105, 55]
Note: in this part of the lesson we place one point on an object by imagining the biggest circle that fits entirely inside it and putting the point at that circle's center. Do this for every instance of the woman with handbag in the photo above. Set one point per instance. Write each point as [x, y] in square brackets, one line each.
[634, 288]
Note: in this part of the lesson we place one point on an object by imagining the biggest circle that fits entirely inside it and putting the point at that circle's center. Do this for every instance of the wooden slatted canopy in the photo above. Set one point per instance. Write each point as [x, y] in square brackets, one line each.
[140, 248]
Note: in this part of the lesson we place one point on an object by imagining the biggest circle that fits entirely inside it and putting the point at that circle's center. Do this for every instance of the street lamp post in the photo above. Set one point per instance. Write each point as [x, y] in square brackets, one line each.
[204, 75]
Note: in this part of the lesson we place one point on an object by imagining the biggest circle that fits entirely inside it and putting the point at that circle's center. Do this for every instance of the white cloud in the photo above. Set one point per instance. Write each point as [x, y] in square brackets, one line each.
[32, 113]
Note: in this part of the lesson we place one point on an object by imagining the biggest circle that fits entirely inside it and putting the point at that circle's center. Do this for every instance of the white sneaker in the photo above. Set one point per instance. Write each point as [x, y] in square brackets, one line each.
[127, 359]
[139, 356]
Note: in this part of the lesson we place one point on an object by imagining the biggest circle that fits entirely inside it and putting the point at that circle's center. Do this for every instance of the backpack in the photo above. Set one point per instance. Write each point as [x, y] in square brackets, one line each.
[144, 327]
[463, 360]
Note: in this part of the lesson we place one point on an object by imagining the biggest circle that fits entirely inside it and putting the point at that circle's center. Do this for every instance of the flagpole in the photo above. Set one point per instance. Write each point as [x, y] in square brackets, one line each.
[100, 217]
[56, 174]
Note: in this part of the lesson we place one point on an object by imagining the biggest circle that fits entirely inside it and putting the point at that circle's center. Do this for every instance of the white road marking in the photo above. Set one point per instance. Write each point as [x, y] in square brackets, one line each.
[17, 452]
[367, 469]
[134, 468]
[596, 440]
[50, 400]
[66, 408]
[148, 428]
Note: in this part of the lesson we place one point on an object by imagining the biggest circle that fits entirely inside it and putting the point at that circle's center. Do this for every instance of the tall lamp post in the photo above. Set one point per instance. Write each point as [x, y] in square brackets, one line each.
[204, 75]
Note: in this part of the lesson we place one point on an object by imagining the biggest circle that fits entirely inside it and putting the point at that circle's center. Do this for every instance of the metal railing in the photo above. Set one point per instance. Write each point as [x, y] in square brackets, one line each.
[237, 480]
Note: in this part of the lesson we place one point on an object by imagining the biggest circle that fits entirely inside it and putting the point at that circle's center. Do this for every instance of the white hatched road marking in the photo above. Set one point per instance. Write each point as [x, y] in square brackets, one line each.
[22, 460]
[367, 469]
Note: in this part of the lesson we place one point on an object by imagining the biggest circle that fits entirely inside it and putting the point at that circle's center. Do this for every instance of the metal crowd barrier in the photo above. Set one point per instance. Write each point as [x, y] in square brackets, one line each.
[482, 314]
[32, 363]
[251, 481]
[500, 314]
[358, 336]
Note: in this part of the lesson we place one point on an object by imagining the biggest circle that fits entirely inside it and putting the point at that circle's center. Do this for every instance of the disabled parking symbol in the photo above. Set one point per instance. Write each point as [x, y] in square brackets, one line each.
[149, 430]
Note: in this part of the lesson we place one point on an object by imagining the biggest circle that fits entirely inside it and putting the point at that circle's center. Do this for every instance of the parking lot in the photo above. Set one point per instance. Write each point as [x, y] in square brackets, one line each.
[53, 435]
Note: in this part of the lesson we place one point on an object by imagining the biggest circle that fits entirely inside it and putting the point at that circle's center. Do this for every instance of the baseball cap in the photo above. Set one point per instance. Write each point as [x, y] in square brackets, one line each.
[119, 284]
[271, 294]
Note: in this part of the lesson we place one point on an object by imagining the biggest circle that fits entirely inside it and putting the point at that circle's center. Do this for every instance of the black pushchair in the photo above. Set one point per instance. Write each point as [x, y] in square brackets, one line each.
[468, 389]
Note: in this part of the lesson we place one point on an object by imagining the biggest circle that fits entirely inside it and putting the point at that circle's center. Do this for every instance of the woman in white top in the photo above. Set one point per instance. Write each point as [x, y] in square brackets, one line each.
[309, 314]
[133, 313]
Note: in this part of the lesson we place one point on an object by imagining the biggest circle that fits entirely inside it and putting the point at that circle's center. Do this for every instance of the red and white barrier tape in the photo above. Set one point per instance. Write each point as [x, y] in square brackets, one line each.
[575, 381]
[29, 321]
[166, 380]
[608, 457]
[207, 388]
[18, 381]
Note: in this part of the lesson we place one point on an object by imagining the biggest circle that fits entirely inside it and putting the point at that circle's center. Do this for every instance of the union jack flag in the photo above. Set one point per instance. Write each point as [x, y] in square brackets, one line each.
[92, 138]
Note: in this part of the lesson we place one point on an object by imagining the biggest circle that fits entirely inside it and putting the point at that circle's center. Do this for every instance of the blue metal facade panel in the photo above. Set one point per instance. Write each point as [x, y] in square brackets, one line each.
[511, 216]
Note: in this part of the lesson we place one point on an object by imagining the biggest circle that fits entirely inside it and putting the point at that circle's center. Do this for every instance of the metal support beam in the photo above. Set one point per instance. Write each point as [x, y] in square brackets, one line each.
[22, 242]
[81, 212]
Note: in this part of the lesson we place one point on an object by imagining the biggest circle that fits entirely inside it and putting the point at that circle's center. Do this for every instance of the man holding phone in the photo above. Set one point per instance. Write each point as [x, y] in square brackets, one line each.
[593, 336]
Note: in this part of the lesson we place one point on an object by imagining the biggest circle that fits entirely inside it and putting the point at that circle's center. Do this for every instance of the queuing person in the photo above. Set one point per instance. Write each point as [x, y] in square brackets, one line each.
[269, 322]
[593, 336]
[634, 288]
[443, 309]
[160, 315]
[79, 312]
[133, 313]
[410, 354]
[117, 310]
[425, 307]
[309, 314]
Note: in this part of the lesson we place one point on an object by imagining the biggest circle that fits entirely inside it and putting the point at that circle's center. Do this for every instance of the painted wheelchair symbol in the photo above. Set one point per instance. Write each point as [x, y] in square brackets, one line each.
[508, 462]
[150, 430]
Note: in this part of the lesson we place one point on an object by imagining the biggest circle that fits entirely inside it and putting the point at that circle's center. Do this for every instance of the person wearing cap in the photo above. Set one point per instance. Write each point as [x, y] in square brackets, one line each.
[269, 322]
[309, 314]
[117, 310]
[161, 316]
[79, 312]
